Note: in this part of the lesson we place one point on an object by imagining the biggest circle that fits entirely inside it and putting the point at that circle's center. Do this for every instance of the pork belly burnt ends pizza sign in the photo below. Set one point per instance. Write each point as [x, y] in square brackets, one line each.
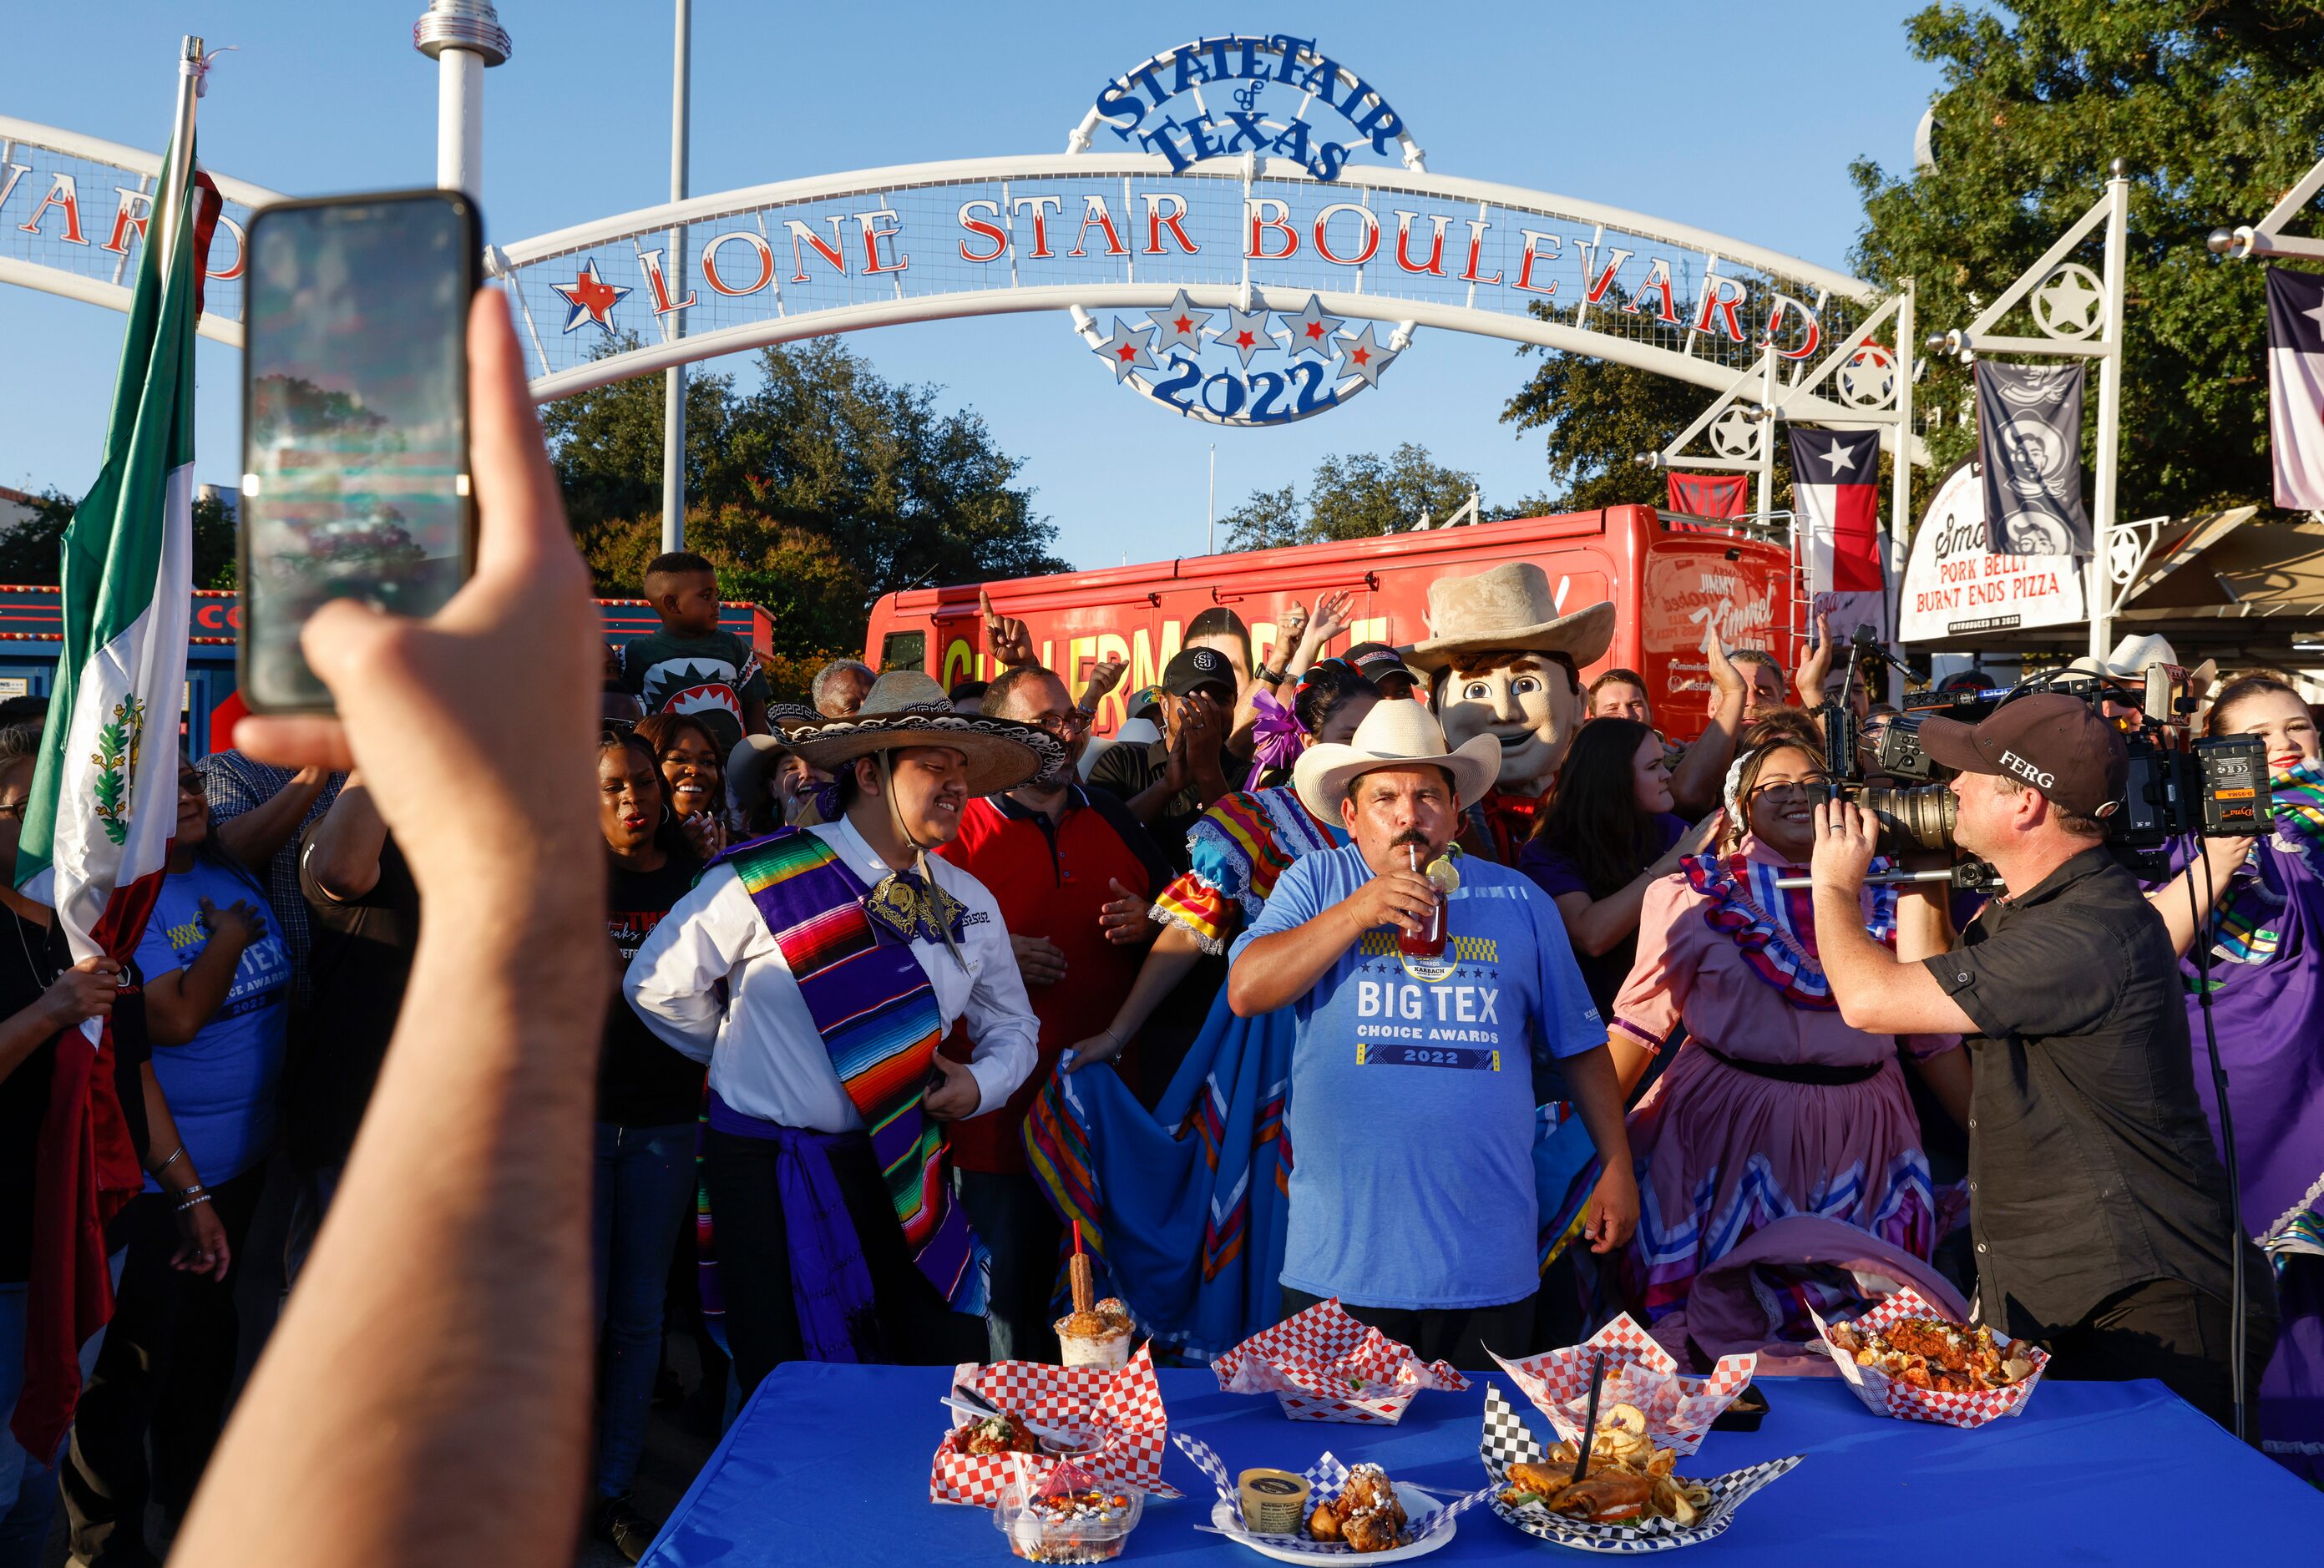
[1953, 586]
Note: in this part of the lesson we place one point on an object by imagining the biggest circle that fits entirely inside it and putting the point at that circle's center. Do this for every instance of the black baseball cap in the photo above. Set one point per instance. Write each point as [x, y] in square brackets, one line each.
[2058, 744]
[1191, 670]
[1376, 662]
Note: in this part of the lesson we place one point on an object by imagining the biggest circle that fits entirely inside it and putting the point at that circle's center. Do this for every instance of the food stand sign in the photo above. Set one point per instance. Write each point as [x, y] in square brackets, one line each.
[1953, 586]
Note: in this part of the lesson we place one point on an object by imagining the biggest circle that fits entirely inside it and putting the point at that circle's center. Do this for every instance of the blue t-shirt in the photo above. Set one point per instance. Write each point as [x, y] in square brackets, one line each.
[221, 1083]
[1412, 1109]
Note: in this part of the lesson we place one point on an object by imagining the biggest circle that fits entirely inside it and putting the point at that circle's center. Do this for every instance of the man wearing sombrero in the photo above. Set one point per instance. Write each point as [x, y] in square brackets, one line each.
[1506, 662]
[1414, 1196]
[816, 970]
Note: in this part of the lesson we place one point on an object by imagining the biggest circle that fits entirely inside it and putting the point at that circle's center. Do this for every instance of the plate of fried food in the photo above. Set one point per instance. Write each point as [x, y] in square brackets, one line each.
[1906, 1359]
[1357, 1511]
[1629, 1497]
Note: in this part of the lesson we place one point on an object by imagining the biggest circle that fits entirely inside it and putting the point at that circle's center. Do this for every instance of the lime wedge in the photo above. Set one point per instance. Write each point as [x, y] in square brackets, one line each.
[1441, 871]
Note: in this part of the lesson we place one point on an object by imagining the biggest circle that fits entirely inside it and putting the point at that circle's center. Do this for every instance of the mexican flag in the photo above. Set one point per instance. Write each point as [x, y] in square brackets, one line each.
[105, 798]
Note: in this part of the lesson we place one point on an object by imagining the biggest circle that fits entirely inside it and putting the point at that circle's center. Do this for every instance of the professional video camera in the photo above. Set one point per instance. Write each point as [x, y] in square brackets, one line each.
[2215, 788]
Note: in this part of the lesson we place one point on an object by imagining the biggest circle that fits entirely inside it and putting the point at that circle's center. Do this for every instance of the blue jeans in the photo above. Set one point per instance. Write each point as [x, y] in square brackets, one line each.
[27, 1487]
[642, 1191]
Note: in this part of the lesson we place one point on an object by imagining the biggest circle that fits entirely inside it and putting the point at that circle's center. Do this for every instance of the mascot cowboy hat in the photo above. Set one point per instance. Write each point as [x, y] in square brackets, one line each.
[1507, 607]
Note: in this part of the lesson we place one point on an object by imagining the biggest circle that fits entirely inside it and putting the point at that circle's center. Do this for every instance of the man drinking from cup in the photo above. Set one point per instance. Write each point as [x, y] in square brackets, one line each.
[1413, 1199]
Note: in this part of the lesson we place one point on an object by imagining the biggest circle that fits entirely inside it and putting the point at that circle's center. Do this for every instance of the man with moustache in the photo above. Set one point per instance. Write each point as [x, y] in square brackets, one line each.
[816, 971]
[1412, 1107]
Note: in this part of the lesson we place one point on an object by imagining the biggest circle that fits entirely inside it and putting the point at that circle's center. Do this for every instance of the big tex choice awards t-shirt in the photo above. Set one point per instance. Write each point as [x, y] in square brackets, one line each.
[1412, 1109]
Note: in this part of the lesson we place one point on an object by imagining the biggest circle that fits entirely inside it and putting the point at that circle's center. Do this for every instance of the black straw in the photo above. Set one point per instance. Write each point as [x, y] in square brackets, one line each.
[1590, 1421]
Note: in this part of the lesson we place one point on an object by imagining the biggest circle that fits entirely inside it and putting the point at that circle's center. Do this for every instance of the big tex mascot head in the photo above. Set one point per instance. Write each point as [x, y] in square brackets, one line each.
[1506, 664]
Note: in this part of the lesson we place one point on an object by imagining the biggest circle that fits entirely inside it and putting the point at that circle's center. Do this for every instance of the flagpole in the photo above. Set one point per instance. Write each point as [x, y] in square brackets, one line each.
[174, 177]
[2109, 433]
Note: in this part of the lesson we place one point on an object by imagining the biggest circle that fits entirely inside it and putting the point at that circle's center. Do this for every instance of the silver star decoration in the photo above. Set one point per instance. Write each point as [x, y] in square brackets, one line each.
[1362, 355]
[2068, 299]
[1839, 457]
[1181, 325]
[1127, 351]
[2317, 316]
[1312, 331]
[1246, 332]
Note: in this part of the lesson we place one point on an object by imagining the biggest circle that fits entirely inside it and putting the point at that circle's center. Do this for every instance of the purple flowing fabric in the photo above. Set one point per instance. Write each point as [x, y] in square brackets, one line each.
[1276, 739]
[2269, 1017]
[831, 1285]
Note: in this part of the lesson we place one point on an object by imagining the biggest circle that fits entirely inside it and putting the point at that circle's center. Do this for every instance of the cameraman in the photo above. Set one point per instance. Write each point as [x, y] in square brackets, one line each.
[2099, 1208]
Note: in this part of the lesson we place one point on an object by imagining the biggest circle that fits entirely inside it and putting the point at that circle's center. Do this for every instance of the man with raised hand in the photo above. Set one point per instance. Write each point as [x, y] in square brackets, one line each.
[1412, 1198]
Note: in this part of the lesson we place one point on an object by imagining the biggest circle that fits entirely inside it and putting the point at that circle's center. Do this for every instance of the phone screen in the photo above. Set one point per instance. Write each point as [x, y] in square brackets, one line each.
[355, 421]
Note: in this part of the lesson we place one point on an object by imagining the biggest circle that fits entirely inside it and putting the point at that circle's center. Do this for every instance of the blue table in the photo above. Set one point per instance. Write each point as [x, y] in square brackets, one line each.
[830, 1464]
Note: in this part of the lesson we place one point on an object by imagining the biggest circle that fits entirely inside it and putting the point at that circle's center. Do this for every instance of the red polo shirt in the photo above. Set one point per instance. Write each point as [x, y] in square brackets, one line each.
[1049, 880]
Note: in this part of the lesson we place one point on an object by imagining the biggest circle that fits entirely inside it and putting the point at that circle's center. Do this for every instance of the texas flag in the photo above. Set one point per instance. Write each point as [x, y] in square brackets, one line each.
[2295, 386]
[1835, 488]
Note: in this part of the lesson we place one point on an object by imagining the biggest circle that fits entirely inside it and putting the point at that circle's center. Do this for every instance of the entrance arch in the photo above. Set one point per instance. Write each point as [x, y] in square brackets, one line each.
[771, 264]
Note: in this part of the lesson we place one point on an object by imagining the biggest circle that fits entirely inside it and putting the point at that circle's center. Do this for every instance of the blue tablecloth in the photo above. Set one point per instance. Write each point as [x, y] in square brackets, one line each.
[830, 1464]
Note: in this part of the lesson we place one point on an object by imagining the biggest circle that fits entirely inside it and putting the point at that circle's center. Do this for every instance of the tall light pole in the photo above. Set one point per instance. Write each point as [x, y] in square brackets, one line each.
[462, 37]
[673, 423]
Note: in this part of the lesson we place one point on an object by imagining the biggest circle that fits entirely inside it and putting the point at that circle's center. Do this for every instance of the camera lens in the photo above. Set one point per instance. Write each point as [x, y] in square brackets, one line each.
[1919, 819]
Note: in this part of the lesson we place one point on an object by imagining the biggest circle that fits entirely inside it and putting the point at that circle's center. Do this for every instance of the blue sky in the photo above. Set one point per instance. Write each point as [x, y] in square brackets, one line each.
[1739, 119]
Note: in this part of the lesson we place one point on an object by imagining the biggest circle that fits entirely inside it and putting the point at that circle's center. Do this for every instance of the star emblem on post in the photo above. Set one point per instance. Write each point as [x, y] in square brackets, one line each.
[1839, 457]
[1127, 351]
[1312, 331]
[1246, 332]
[1180, 327]
[591, 299]
[1362, 355]
[2064, 303]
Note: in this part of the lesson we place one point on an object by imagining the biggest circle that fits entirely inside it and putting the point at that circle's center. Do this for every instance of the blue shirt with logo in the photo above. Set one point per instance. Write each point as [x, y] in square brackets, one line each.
[221, 1083]
[1412, 1109]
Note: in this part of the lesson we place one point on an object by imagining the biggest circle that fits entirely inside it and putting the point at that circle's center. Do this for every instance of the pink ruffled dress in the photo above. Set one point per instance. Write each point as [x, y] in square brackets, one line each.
[1773, 1106]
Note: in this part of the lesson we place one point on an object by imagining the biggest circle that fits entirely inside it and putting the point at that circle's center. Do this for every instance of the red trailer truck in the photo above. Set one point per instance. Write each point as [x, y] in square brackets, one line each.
[1669, 582]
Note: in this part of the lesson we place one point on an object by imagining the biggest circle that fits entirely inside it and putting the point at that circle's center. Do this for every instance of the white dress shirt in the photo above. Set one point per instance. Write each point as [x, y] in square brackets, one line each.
[767, 1059]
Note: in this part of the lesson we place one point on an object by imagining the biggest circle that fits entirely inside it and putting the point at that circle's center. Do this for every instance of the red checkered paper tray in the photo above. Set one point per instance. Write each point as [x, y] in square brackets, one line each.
[1116, 1410]
[1886, 1396]
[1323, 1365]
[1679, 1410]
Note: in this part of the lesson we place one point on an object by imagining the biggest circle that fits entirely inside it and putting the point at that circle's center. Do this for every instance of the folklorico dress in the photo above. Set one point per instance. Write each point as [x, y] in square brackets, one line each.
[1773, 1105]
[1184, 1205]
[2267, 1008]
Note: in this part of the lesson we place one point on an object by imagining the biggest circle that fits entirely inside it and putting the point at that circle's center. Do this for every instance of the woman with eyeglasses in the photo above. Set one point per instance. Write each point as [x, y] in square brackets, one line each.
[648, 1098]
[1772, 1105]
[217, 995]
[695, 769]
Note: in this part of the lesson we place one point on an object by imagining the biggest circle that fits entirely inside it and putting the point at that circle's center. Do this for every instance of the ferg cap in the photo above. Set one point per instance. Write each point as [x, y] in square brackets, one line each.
[2058, 744]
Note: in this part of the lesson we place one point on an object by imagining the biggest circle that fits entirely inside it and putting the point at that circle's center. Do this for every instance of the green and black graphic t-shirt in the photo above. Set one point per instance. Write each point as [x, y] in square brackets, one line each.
[708, 676]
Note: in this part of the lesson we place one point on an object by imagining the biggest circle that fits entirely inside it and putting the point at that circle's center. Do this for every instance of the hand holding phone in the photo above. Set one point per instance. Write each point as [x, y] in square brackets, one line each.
[356, 468]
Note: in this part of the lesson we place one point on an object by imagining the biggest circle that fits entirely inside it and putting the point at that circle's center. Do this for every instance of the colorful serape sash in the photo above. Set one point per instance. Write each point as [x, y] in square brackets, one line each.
[1499, 823]
[878, 1015]
[1775, 927]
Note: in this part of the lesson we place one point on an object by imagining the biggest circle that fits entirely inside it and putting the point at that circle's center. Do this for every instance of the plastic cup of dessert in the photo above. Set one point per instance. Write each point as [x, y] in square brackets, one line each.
[1045, 1533]
[1102, 1350]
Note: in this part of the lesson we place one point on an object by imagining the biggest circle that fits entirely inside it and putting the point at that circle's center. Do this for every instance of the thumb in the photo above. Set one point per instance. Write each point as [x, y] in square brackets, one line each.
[1115, 884]
[985, 605]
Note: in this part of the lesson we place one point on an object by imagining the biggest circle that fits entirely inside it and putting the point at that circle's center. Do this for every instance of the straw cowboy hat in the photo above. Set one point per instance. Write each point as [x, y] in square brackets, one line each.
[905, 708]
[1508, 607]
[1394, 735]
[2131, 658]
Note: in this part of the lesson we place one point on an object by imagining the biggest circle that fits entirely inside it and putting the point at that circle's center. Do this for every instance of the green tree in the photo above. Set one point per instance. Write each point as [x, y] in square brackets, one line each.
[1358, 496]
[816, 491]
[2216, 108]
[32, 551]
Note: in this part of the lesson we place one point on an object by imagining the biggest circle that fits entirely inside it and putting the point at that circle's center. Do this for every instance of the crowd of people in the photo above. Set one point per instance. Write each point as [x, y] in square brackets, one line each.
[912, 978]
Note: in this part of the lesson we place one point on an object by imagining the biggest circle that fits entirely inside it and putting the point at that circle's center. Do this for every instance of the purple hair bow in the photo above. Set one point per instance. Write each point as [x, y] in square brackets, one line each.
[1277, 738]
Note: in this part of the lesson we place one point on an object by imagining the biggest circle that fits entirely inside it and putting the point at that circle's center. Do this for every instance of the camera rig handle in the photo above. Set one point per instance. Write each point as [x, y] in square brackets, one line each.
[1967, 875]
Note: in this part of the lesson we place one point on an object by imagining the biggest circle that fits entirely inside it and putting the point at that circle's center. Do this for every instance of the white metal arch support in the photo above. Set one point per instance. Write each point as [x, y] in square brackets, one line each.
[987, 236]
[70, 223]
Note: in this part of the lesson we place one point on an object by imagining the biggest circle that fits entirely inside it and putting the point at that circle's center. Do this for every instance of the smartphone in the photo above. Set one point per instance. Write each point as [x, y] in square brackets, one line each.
[355, 421]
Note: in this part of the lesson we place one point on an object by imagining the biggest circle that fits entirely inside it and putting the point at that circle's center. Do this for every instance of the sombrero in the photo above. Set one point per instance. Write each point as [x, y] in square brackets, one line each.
[1508, 607]
[1394, 735]
[905, 708]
